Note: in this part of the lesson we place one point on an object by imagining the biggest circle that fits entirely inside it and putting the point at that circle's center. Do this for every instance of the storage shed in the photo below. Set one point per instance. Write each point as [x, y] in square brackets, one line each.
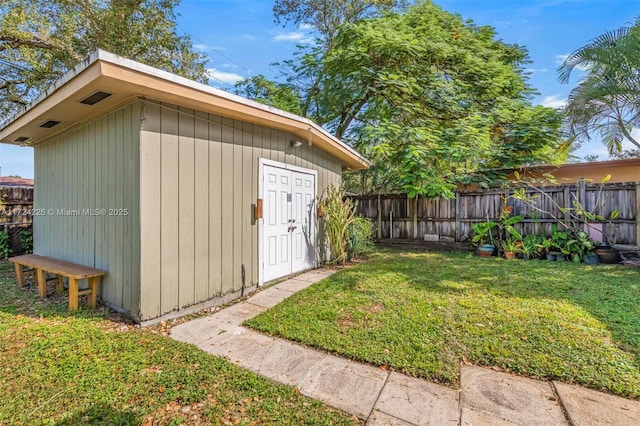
[159, 180]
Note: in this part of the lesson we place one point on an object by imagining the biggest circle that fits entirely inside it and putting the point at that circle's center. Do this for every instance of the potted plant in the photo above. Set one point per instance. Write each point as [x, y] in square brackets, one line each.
[546, 246]
[483, 238]
[580, 246]
[531, 246]
[560, 240]
[606, 253]
[510, 247]
[590, 258]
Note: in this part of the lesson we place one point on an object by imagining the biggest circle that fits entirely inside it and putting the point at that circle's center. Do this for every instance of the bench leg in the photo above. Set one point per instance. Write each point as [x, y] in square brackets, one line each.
[60, 285]
[19, 275]
[42, 283]
[73, 294]
[93, 296]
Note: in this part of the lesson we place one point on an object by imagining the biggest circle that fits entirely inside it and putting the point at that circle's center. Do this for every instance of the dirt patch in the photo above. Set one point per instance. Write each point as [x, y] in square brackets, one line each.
[346, 321]
[375, 308]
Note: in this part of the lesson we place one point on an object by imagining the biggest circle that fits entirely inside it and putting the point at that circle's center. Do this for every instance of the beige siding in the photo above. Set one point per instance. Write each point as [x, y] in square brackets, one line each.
[195, 239]
[93, 166]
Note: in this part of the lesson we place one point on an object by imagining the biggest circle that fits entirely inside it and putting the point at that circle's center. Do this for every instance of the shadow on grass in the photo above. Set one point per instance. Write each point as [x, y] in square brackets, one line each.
[102, 414]
[26, 301]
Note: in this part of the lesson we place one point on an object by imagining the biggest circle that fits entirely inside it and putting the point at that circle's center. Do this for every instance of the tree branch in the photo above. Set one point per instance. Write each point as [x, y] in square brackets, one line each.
[14, 42]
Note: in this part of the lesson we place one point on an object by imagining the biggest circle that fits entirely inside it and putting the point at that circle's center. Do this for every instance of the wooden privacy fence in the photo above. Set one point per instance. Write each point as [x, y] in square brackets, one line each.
[16, 205]
[396, 216]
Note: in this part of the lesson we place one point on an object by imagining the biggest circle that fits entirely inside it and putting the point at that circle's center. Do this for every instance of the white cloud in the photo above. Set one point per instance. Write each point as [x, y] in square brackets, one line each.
[225, 77]
[292, 36]
[306, 27]
[561, 58]
[554, 101]
[202, 47]
[248, 37]
[534, 70]
[206, 47]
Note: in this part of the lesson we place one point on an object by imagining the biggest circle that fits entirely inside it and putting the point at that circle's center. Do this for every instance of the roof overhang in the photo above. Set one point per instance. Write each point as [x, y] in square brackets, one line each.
[126, 80]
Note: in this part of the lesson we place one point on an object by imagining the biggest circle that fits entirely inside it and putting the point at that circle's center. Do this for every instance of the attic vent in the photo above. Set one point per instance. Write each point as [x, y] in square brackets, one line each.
[49, 124]
[21, 139]
[95, 98]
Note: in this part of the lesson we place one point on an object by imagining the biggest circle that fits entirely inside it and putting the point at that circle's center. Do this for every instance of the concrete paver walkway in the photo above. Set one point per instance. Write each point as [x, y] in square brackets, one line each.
[380, 397]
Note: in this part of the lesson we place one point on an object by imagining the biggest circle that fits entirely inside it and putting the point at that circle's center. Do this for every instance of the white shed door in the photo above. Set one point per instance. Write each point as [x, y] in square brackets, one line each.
[289, 234]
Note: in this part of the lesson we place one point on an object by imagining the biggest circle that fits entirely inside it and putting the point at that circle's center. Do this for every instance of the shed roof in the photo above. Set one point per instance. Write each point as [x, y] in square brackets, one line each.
[65, 104]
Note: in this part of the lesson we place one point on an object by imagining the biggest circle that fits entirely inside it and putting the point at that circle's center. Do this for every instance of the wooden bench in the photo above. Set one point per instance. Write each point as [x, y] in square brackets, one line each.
[73, 271]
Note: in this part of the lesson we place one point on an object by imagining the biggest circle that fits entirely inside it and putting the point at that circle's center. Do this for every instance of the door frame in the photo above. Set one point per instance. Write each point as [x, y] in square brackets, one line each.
[260, 222]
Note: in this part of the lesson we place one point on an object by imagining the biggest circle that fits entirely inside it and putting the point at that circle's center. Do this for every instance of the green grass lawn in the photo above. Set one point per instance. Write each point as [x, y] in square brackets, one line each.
[91, 368]
[424, 313]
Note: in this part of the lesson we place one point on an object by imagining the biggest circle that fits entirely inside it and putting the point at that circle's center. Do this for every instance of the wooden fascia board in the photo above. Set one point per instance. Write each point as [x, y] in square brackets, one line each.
[68, 90]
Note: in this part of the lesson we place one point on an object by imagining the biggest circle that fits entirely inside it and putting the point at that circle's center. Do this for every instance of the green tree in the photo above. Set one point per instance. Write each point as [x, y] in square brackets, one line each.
[326, 17]
[278, 95]
[432, 99]
[606, 101]
[42, 39]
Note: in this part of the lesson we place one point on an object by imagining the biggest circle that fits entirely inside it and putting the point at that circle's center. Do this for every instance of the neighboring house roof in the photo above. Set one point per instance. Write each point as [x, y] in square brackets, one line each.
[126, 80]
[15, 181]
[620, 170]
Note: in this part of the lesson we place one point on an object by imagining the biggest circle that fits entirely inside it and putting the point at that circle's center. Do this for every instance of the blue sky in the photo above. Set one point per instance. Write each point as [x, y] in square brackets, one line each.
[241, 39]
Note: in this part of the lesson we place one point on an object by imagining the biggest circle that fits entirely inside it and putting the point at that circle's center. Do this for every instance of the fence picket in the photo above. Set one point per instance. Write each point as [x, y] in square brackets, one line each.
[453, 218]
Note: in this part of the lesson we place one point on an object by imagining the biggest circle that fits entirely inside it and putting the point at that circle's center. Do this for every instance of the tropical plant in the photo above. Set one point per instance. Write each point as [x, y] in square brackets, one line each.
[560, 239]
[580, 245]
[360, 237]
[532, 245]
[339, 217]
[576, 218]
[511, 246]
[504, 229]
[482, 233]
[607, 99]
[545, 246]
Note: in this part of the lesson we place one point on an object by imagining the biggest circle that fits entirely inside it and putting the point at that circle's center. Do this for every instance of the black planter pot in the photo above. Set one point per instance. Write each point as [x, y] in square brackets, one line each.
[607, 254]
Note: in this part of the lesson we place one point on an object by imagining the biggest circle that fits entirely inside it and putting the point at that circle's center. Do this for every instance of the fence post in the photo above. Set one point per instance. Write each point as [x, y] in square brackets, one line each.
[379, 218]
[637, 213]
[567, 205]
[582, 193]
[415, 218]
[458, 223]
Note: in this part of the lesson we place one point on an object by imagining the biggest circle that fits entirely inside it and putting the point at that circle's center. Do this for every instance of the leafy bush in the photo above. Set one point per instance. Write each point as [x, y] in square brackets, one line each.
[5, 250]
[26, 240]
[361, 237]
[339, 216]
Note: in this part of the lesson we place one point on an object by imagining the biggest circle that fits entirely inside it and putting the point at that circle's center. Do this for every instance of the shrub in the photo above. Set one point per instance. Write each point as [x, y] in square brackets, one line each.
[339, 216]
[5, 250]
[360, 237]
[26, 240]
